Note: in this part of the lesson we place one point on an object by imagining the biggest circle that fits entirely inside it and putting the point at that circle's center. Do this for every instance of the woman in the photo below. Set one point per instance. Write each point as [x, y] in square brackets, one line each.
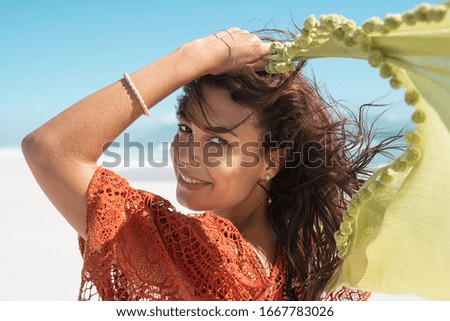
[260, 154]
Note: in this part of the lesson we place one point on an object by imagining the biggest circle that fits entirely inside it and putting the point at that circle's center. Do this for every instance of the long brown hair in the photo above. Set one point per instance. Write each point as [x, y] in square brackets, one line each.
[326, 162]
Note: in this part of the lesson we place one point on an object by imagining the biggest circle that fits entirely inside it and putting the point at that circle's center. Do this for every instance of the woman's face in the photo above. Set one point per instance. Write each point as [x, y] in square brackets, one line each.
[218, 172]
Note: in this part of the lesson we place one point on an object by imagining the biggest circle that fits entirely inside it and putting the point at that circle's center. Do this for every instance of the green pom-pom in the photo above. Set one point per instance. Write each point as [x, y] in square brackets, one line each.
[412, 155]
[374, 24]
[393, 21]
[399, 166]
[376, 58]
[348, 26]
[284, 67]
[277, 47]
[386, 70]
[437, 13]
[311, 22]
[409, 18]
[422, 12]
[412, 97]
[340, 238]
[368, 26]
[395, 82]
[412, 137]
[418, 116]
[342, 252]
[330, 22]
[270, 69]
[385, 178]
[346, 228]
[279, 67]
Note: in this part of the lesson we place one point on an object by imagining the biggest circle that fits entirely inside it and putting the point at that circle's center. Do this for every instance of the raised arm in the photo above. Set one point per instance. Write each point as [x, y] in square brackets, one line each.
[62, 153]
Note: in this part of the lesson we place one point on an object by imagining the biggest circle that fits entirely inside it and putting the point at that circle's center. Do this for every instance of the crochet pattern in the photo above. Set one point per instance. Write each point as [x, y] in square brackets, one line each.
[139, 247]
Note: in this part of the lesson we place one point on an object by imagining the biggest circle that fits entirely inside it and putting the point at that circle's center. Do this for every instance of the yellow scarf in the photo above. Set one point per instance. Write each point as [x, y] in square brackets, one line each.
[395, 237]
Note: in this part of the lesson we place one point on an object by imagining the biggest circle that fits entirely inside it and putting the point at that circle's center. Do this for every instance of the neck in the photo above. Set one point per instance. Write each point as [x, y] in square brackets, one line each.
[255, 227]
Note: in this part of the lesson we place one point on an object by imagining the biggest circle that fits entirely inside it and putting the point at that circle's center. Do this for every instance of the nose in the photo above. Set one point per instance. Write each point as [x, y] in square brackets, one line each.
[186, 153]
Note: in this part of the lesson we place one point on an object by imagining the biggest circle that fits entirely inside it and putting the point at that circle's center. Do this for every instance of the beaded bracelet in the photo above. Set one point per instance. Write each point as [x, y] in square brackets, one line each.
[136, 93]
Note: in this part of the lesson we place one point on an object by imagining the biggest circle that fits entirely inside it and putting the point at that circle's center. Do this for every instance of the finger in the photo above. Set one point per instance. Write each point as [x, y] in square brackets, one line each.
[221, 33]
[227, 33]
[265, 49]
[259, 65]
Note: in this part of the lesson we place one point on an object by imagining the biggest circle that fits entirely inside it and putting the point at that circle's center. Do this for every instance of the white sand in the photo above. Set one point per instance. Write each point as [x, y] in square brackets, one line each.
[39, 249]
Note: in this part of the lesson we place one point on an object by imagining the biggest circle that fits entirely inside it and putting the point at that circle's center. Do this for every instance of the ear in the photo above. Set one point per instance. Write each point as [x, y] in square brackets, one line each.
[275, 162]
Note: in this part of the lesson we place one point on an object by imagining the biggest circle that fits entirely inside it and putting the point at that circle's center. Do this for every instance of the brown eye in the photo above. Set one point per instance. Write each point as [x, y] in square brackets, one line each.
[218, 140]
[184, 129]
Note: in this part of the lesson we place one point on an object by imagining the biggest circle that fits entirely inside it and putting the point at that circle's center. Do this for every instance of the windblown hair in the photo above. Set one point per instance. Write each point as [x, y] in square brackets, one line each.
[326, 162]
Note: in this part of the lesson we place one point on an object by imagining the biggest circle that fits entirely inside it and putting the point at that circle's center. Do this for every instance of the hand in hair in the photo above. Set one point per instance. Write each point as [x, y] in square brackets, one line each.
[232, 51]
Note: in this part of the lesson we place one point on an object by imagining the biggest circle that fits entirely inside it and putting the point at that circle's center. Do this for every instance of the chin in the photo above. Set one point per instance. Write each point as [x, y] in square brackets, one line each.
[193, 206]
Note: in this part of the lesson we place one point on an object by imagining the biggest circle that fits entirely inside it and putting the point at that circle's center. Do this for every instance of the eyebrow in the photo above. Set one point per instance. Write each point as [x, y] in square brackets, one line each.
[213, 129]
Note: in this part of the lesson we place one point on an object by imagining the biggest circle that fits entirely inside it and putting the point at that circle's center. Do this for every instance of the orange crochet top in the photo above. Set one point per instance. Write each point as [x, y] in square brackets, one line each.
[138, 247]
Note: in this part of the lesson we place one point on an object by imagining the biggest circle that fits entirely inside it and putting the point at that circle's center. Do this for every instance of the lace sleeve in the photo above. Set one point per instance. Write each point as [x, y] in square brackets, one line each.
[105, 209]
[122, 241]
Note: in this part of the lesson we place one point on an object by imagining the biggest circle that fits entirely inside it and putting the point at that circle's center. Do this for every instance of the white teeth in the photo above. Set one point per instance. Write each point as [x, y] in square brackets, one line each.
[189, 180]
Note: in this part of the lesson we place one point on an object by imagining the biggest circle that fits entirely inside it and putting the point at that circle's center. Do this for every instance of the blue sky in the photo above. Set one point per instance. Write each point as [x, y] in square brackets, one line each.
[55, 53]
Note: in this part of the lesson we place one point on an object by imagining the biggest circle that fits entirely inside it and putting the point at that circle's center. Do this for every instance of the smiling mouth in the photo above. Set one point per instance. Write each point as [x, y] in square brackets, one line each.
[190, 183]
[190, 180]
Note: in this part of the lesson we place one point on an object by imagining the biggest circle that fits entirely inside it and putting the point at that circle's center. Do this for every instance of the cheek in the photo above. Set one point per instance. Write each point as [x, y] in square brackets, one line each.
[233, 157]
[239, 185]
[236, 181]
[231, 163]
[233, 173]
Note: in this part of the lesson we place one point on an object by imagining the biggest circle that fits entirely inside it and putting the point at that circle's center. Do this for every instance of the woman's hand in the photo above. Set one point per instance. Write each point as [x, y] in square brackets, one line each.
[231, 51]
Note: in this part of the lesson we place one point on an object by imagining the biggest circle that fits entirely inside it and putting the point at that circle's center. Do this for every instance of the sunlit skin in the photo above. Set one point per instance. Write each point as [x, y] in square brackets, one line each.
[229, 189]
